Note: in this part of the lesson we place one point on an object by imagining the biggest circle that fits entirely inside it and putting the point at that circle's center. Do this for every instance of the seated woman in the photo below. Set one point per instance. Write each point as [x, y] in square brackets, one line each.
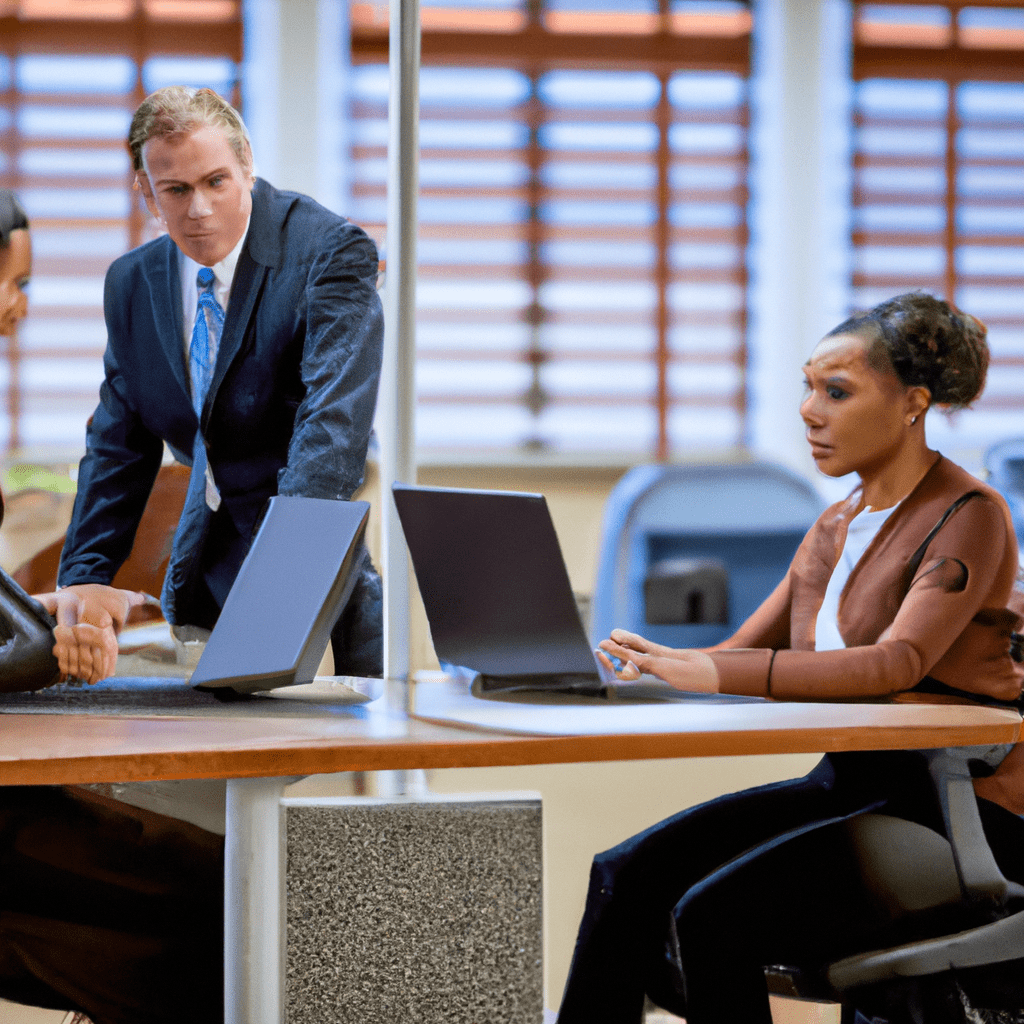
[903, 587]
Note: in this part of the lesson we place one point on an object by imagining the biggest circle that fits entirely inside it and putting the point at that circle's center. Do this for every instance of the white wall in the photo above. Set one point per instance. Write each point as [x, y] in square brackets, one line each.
[295, 94]
[799, 210]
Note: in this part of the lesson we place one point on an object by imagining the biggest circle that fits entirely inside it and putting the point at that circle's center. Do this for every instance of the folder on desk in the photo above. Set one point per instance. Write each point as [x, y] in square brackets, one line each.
[291, 588]
[496, 590]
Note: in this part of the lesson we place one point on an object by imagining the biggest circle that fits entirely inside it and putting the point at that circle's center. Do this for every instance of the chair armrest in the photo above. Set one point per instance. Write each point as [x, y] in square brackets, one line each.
[981, 882]
[980, 877]
[992, 943]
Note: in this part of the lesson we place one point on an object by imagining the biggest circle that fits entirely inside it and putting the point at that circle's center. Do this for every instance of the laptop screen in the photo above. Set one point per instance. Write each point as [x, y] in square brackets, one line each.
[295, 580]
[494, 585]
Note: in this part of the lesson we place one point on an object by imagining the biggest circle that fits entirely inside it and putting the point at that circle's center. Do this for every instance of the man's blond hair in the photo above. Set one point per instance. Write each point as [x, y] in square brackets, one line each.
[178, 110]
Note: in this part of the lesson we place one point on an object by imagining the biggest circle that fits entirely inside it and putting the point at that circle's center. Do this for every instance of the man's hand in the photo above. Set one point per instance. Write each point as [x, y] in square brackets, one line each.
[89, 617]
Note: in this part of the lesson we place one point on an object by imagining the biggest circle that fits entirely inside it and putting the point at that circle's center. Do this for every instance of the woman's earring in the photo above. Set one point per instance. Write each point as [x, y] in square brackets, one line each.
[913, 420]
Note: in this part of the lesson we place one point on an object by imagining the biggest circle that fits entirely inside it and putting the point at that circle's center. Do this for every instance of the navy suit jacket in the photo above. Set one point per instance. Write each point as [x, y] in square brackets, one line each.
[290, 407]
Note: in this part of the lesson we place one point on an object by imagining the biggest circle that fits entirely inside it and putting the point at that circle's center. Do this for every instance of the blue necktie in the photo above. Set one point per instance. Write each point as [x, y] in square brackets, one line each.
[202, 350]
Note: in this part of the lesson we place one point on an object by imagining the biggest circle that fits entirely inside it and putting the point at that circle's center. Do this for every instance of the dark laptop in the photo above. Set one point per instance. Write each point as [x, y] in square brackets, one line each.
[291, 588]
[496, 591]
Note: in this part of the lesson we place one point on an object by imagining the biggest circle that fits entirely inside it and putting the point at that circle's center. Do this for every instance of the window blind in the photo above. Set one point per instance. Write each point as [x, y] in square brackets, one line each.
[582, 281]
[939, 184]
[71, 74]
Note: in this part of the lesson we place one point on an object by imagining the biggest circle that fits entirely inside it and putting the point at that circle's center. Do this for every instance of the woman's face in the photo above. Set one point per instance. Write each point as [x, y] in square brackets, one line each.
[15, 271]
[858, 418]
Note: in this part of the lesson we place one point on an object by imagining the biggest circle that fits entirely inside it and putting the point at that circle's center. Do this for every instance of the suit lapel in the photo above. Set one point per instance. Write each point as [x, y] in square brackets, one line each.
[165, 292]
[244, 289]
[258, 255]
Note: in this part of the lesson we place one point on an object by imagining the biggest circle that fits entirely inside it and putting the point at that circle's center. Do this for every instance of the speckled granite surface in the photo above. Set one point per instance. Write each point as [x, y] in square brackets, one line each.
[414, 913]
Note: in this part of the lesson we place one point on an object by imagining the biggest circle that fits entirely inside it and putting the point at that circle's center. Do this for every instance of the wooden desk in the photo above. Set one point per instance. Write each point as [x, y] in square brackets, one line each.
[260, 746]
[450, 729]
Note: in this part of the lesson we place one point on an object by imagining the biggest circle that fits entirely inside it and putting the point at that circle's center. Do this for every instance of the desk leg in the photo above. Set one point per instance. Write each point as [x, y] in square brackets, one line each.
[254, 909]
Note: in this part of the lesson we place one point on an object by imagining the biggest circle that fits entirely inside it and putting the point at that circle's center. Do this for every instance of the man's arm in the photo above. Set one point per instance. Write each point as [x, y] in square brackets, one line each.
[114, 478]
[340, 369]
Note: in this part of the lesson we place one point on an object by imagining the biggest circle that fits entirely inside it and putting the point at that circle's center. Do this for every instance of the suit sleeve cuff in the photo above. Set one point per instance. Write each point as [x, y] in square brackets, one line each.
[746, 671]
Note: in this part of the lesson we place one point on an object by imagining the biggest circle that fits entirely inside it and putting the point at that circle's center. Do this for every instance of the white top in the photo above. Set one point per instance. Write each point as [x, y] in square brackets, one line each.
[861, 532]
[223, 278]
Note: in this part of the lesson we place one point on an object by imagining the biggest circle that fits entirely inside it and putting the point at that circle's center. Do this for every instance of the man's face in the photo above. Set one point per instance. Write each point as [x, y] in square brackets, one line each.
[196, 187]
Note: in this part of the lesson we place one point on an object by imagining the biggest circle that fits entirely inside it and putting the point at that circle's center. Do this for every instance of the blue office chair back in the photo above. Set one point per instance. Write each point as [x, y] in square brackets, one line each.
[1004, 463]
[749, 517]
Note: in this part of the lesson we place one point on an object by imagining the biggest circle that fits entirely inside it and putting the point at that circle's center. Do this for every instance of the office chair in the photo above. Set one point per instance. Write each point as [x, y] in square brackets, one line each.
[1004, 464]
[688, 552]
[956, 880]
[26, 638]
[145, 567]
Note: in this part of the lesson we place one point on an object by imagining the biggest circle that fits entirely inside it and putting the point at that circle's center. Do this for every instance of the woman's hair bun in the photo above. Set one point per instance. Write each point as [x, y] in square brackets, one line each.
[928, 343]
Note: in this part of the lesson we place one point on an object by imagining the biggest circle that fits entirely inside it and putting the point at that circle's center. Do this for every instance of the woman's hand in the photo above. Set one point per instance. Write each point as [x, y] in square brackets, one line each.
[681, 668]
[89, 617]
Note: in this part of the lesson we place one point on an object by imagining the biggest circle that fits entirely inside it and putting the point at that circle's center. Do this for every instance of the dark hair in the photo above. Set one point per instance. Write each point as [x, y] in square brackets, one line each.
[927, 343]
[12, 216]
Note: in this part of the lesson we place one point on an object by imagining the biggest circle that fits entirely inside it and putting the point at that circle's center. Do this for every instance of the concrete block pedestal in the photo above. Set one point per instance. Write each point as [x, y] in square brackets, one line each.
[413, 911]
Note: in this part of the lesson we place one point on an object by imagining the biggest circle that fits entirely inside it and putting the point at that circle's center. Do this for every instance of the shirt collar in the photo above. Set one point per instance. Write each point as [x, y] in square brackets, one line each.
[224, 271]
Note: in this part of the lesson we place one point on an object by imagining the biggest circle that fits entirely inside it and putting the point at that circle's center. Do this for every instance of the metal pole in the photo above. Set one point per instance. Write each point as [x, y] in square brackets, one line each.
[254, 902]
[398, 381]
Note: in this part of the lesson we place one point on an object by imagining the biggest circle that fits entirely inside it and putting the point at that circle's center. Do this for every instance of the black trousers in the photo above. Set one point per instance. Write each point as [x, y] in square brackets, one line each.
[760, 877]
[109, 910]
[357, 640]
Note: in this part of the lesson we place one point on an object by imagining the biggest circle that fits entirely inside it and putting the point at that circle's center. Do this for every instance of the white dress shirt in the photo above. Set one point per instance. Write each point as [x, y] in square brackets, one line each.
[223, 278]
[859, 534]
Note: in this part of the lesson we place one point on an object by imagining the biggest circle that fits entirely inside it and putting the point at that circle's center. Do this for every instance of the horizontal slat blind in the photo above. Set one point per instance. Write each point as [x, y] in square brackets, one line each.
[581, 251]
[66, 96]
[939, 186]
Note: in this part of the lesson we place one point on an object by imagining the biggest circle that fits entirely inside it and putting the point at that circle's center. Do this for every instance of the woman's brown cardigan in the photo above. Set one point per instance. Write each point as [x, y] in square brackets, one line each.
[951, 621]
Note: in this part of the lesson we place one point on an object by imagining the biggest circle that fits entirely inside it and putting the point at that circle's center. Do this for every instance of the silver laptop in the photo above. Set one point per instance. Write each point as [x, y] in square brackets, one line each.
[296, 578]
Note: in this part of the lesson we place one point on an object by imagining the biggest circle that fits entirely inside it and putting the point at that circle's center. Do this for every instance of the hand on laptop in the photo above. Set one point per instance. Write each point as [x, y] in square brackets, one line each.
[89, 617]
[684, 669]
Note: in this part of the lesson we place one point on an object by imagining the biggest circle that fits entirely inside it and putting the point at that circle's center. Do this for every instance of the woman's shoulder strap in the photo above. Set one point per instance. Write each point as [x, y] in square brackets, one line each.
[915, 559]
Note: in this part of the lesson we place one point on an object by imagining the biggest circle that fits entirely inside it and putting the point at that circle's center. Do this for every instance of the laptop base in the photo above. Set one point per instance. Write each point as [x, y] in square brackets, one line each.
[569, 683]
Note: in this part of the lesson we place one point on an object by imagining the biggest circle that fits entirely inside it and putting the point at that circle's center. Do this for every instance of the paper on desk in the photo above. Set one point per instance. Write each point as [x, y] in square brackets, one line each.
[559, 714]
[149, 650]
[330, 690]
